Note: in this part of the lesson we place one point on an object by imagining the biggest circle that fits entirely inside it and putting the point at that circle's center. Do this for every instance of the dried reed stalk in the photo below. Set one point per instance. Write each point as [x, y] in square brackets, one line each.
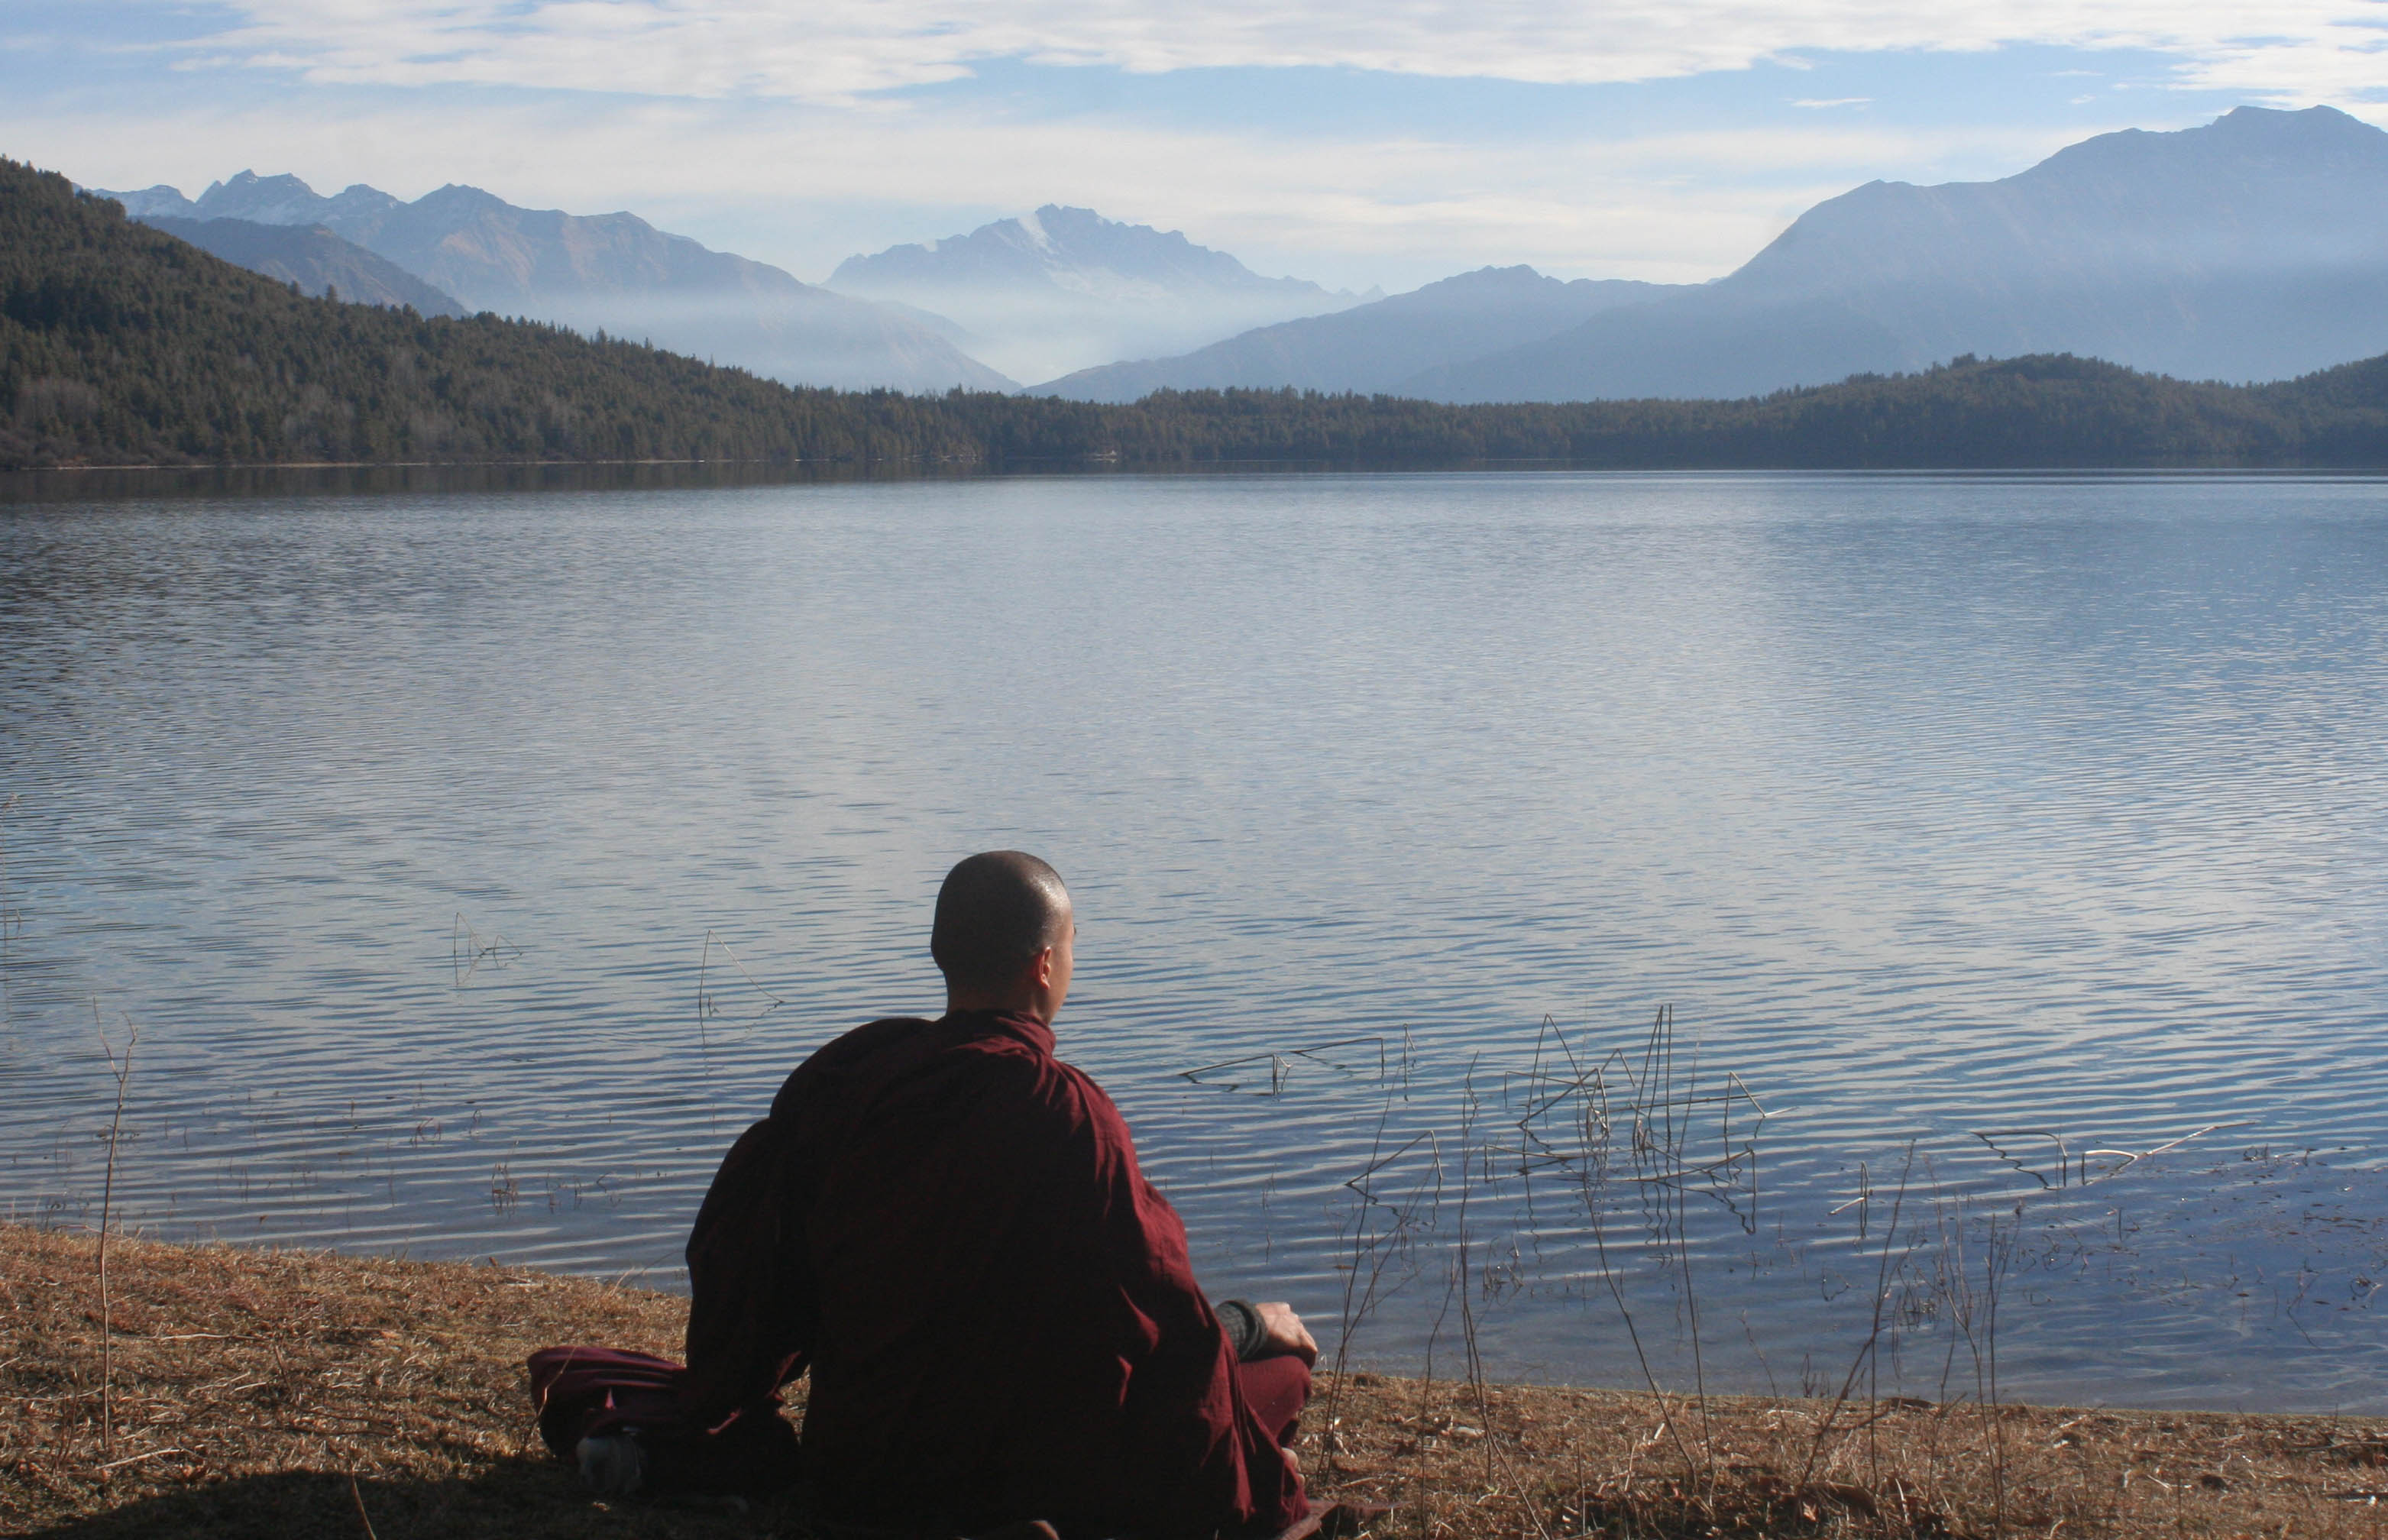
[120, 1068]
[359, 1498]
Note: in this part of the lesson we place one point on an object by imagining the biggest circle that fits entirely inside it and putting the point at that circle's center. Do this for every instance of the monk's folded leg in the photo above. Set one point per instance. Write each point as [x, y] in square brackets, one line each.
[1276, 1388]
[755, 1455]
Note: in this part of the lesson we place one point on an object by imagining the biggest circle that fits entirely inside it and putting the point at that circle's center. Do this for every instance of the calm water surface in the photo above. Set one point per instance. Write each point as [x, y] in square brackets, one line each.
[474, 866]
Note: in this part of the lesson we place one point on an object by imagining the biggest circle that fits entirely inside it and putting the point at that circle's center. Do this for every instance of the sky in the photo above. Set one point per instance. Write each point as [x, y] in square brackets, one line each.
[1374, 144]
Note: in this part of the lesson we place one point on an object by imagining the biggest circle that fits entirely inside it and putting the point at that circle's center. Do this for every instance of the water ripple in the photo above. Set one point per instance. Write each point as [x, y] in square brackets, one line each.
[1932, 806]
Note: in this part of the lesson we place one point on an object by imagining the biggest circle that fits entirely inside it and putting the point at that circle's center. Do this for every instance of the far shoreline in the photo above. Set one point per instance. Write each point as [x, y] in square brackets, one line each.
[66, 485]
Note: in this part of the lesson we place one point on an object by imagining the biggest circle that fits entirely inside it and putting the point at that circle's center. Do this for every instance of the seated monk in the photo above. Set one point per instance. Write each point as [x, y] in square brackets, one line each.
[946, 1226]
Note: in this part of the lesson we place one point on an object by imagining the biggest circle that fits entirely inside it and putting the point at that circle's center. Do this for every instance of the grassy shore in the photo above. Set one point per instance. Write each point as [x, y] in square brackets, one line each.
[292, 1394]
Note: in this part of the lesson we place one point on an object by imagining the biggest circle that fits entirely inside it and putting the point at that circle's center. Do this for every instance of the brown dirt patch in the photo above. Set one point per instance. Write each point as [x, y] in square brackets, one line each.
[249, 1390]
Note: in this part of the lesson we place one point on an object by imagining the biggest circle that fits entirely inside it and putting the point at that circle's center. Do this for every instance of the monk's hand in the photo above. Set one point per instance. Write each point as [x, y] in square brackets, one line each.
[1282, 1331]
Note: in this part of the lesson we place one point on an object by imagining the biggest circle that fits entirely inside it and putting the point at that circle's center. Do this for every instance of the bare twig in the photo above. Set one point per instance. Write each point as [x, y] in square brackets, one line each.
[467, 950]
[10, 920]
[120, 1068]
[1594, 1177]
[358, 1497]
[707, 1004]
[1998, 1252]
[1873, 1336]
[1684, 1256]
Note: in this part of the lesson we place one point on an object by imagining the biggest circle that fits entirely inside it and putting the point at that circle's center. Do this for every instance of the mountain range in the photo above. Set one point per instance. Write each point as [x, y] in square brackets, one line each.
[317, 261]
[2252, 248]
[1064, 288]
[122, 345]
[1375, 348]
[612, 273]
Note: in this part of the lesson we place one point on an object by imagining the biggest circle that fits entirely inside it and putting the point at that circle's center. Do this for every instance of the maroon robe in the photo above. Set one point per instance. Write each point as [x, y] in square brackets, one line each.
[947, 1226]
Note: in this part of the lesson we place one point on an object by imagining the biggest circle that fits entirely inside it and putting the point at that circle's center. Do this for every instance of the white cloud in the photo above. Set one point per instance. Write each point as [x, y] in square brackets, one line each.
[1818, 103]
[833, 49]
[2339, 65]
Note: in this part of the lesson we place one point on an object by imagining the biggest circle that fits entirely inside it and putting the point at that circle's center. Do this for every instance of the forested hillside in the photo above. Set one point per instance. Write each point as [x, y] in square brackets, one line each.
[2011, 413]
[120, 345]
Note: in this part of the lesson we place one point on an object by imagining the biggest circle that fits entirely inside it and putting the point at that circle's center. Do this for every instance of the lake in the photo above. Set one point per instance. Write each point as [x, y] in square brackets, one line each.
[1714, 921]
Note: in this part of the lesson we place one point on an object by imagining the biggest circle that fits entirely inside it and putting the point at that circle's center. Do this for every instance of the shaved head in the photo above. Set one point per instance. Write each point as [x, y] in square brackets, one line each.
[996, 910]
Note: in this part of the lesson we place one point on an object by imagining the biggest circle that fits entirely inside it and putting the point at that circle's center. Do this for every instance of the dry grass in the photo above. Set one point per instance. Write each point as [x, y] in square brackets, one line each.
[1542, 1462]
[251, 1389]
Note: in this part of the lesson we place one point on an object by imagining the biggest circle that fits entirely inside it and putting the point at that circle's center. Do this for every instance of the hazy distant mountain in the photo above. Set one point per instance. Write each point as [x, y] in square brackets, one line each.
[2253, 248]
[313, 257]
[1374, 347]
[613, 272]
[157, 202]
[1062, 288]
[259, 375]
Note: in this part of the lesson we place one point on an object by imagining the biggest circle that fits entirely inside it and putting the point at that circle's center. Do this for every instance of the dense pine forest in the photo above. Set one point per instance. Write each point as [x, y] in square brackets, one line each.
[120, 345]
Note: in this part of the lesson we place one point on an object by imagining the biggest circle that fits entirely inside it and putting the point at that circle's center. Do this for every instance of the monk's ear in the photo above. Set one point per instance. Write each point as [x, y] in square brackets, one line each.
[1040, 968]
